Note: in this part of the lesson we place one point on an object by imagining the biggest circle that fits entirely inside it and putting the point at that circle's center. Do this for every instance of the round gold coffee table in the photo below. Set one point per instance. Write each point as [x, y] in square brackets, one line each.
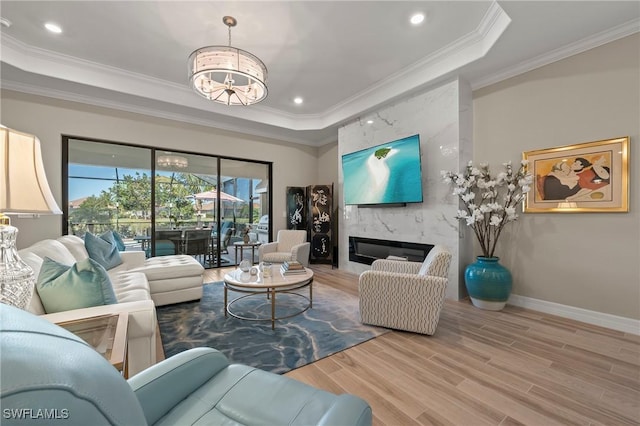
[256, 285]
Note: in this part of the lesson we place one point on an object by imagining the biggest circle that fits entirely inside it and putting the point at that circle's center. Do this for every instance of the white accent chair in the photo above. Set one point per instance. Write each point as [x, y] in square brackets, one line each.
[405, 295]
[290, 245]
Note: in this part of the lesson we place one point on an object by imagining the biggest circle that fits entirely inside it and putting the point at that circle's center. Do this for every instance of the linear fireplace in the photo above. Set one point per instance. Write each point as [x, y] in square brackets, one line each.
[366, 250]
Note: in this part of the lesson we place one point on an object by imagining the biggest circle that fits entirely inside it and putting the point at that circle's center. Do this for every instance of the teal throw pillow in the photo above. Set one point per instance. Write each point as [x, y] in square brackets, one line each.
[63, 287]
[116, 238]
[103, 249]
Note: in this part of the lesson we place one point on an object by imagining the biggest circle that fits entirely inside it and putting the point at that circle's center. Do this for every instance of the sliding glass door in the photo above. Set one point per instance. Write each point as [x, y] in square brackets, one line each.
[166, 202]
[108, 188]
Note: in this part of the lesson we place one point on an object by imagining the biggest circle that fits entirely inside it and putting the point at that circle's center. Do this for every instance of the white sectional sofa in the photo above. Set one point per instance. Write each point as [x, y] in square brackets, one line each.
[137, 283]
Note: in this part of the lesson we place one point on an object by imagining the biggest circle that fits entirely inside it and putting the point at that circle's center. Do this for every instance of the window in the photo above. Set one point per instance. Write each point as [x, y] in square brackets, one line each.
[152, 197]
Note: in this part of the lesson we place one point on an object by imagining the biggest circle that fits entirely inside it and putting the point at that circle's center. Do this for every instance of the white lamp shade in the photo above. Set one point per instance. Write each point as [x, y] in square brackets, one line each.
[23, 183]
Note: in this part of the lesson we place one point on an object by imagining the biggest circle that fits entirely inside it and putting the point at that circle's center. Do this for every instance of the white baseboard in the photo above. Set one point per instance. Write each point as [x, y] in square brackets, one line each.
[627, 325]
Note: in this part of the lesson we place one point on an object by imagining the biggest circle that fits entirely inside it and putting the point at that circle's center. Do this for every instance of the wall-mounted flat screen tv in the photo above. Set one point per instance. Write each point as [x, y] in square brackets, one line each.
[384, 174]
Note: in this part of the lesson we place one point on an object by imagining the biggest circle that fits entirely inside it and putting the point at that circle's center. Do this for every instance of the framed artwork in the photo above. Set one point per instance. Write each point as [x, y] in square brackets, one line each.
[587, 177]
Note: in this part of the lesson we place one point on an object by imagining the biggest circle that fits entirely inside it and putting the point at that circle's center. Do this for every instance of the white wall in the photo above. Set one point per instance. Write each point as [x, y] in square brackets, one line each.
[293, 165]
[441, 116]
[584, 260]
[328, 165]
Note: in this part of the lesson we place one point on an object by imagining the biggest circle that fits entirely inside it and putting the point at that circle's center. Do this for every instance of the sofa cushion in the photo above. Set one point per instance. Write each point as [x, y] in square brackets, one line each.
[103, 249]
[277, 257]
[52, 249]
[131, 286]
[116, 237]
[168, 267]
[63, 288]
[75, 246]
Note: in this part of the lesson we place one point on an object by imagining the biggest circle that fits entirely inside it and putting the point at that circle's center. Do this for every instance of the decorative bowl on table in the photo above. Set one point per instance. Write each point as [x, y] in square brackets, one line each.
[245, 265]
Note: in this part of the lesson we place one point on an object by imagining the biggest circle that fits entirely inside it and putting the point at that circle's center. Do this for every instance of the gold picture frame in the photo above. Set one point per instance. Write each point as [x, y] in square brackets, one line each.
[586, 177]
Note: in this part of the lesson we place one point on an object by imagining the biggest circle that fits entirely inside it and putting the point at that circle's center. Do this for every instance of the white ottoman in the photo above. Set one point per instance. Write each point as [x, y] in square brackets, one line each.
[173, 279]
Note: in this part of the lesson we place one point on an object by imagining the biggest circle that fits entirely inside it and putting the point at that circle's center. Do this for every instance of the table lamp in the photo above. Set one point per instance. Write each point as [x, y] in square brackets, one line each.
[24, 190]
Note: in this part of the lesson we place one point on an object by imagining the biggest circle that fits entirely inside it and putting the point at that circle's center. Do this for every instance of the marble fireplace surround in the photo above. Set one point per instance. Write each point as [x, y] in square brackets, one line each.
[442, 116]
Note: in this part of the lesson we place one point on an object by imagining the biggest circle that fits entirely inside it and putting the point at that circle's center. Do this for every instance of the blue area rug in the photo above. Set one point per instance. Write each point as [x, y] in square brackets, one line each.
[330, 326]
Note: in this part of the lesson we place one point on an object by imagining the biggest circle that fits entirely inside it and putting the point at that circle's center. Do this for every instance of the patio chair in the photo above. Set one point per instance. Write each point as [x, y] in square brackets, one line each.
[226, 231]
[197, 242]
[165, 242]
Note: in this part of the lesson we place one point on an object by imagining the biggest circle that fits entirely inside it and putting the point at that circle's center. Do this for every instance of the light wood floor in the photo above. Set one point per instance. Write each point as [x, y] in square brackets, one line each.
[485, 368]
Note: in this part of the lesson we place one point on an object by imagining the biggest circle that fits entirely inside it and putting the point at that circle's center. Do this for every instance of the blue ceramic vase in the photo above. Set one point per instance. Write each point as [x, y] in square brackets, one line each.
[488, 283]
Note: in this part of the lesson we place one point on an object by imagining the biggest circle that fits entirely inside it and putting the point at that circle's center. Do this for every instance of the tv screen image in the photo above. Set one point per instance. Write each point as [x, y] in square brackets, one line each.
[384, 174]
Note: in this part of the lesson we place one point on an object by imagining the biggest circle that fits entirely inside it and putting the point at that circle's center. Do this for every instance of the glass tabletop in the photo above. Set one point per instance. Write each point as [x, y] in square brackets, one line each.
[105, 333]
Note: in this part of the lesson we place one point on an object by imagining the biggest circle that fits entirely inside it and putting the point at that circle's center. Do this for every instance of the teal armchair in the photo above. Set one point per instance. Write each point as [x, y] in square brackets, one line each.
[44, 367]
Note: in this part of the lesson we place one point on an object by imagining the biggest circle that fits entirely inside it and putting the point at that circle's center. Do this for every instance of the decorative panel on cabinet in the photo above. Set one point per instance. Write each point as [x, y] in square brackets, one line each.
[320, 207]
[296, 207]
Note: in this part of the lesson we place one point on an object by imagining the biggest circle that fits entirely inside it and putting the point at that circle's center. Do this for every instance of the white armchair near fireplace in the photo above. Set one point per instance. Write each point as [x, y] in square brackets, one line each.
[290, 245]
[405, 295]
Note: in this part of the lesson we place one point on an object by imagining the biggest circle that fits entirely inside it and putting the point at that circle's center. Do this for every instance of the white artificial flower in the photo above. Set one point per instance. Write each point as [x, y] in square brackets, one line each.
[495, 220]
[470, 164]
[468, 197]
[500, 193]
[525, 162]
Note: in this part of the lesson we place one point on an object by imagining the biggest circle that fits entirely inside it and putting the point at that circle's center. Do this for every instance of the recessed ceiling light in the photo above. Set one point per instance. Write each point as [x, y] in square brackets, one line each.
[369, 121]
[417, 18]
[54, 28]
[298, 100]
[5, 22]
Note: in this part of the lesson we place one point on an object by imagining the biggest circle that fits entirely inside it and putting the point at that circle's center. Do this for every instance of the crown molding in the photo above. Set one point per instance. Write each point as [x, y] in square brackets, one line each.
[441, 63]
[222, 124]
[564, 52]
[68, 68]
[446, 60]
[263, 121]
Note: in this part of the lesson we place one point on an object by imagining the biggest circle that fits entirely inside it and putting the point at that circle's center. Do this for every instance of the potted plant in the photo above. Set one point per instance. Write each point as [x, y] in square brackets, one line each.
[490, 202]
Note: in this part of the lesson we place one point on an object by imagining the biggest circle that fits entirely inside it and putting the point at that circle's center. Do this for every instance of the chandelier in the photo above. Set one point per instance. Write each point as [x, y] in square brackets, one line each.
[228, 75]
[172, 161]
